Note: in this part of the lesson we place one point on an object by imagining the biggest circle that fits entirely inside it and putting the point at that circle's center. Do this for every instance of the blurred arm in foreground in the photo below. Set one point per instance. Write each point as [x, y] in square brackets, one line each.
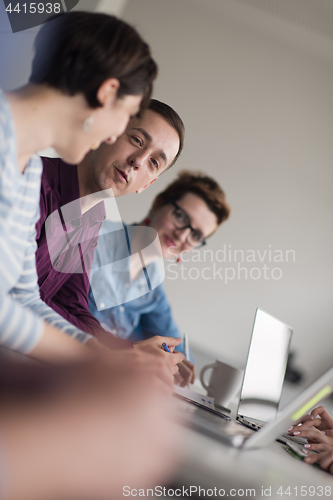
[83, 430]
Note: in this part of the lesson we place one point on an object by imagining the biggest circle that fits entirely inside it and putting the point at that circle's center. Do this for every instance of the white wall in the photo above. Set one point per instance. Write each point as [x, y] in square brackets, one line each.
[256, 97]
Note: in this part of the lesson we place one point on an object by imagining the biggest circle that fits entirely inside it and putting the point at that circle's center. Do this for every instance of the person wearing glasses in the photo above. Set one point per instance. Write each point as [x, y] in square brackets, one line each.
[126, 293]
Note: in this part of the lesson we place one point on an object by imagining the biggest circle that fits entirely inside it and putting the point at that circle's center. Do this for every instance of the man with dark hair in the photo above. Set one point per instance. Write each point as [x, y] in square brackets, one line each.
[67, 239]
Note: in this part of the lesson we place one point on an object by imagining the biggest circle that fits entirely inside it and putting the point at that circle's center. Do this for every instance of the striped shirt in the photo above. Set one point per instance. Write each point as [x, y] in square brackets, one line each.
[21, 309]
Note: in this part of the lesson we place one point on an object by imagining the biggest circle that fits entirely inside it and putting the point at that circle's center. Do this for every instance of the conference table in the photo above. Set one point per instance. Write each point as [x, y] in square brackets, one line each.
[226, 472]
[221, 471]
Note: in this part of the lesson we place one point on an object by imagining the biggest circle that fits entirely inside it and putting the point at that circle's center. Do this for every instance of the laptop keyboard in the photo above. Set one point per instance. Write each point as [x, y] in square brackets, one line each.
[294, 439]
[283, 438]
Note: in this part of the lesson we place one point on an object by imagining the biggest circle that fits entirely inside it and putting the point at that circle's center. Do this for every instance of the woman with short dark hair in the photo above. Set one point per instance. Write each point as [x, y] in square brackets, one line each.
[91, 73]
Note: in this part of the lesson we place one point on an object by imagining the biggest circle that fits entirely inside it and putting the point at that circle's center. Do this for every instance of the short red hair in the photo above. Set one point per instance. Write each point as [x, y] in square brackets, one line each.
[202, 185]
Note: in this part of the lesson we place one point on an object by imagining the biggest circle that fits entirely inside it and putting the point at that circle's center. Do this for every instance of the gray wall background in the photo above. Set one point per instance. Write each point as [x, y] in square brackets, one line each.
[252, 81]
[254, 88]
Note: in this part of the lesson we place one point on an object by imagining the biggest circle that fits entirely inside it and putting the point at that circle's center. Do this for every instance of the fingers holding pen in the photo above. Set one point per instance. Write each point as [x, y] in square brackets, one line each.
[175, 358]
[167, 359]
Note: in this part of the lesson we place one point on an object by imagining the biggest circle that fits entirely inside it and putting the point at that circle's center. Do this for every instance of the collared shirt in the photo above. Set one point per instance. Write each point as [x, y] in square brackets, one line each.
[66, 241]
[21, 308]
[122, 305]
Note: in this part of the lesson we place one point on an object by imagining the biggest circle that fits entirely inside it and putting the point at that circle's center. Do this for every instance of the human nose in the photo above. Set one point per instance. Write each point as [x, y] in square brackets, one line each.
[182, 234]
[137, 160]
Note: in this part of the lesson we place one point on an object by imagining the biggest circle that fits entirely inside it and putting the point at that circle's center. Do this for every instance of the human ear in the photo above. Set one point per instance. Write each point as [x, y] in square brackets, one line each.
[107, 91]
[145, 187]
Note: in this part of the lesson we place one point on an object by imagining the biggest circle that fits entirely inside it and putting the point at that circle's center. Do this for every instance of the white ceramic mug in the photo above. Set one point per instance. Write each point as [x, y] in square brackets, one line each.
[224, 382]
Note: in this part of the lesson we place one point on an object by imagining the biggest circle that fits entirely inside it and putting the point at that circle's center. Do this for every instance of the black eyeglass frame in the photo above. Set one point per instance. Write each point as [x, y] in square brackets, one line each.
[203, 242]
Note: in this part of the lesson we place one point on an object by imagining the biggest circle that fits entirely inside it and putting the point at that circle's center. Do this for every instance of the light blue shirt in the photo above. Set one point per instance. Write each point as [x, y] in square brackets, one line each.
[123, 306]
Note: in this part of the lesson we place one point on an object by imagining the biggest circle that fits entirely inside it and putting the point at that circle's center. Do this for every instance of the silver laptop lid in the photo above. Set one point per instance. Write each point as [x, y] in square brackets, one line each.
[265, 368]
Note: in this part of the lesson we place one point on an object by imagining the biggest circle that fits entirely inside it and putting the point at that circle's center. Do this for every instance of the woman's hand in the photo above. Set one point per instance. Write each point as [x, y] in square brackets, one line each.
[316, 438]
[324, 459]
[322, 444]
[319, 418]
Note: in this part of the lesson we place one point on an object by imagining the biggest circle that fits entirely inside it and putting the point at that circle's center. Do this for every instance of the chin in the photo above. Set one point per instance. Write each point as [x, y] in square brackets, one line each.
[72, 159]
[169, 253]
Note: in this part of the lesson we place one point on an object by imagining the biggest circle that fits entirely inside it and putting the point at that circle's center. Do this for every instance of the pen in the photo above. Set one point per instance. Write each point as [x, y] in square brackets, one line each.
[186, 350]
[165, 347]
[186, 346]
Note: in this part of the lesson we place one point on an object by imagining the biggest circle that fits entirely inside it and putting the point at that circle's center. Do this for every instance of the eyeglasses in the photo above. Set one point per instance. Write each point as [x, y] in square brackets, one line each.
[181, 220]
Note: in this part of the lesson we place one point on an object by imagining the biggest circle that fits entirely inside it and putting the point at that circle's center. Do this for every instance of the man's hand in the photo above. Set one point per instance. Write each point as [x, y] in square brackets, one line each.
[319, 418]
[154, 346]
[148, 355]
[144, 360]
[186, 374]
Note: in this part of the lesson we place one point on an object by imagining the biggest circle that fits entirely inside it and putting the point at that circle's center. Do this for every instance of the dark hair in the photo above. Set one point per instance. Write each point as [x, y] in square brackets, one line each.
[173, 118]
[203, 186]
[78, 51]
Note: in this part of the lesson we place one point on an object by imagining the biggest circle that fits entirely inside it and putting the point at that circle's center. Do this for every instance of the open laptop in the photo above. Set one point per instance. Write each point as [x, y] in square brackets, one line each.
[235, 435]
[264, 371]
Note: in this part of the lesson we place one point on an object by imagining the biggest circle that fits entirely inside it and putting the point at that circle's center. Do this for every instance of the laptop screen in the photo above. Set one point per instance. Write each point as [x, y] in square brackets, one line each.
[265, 368]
